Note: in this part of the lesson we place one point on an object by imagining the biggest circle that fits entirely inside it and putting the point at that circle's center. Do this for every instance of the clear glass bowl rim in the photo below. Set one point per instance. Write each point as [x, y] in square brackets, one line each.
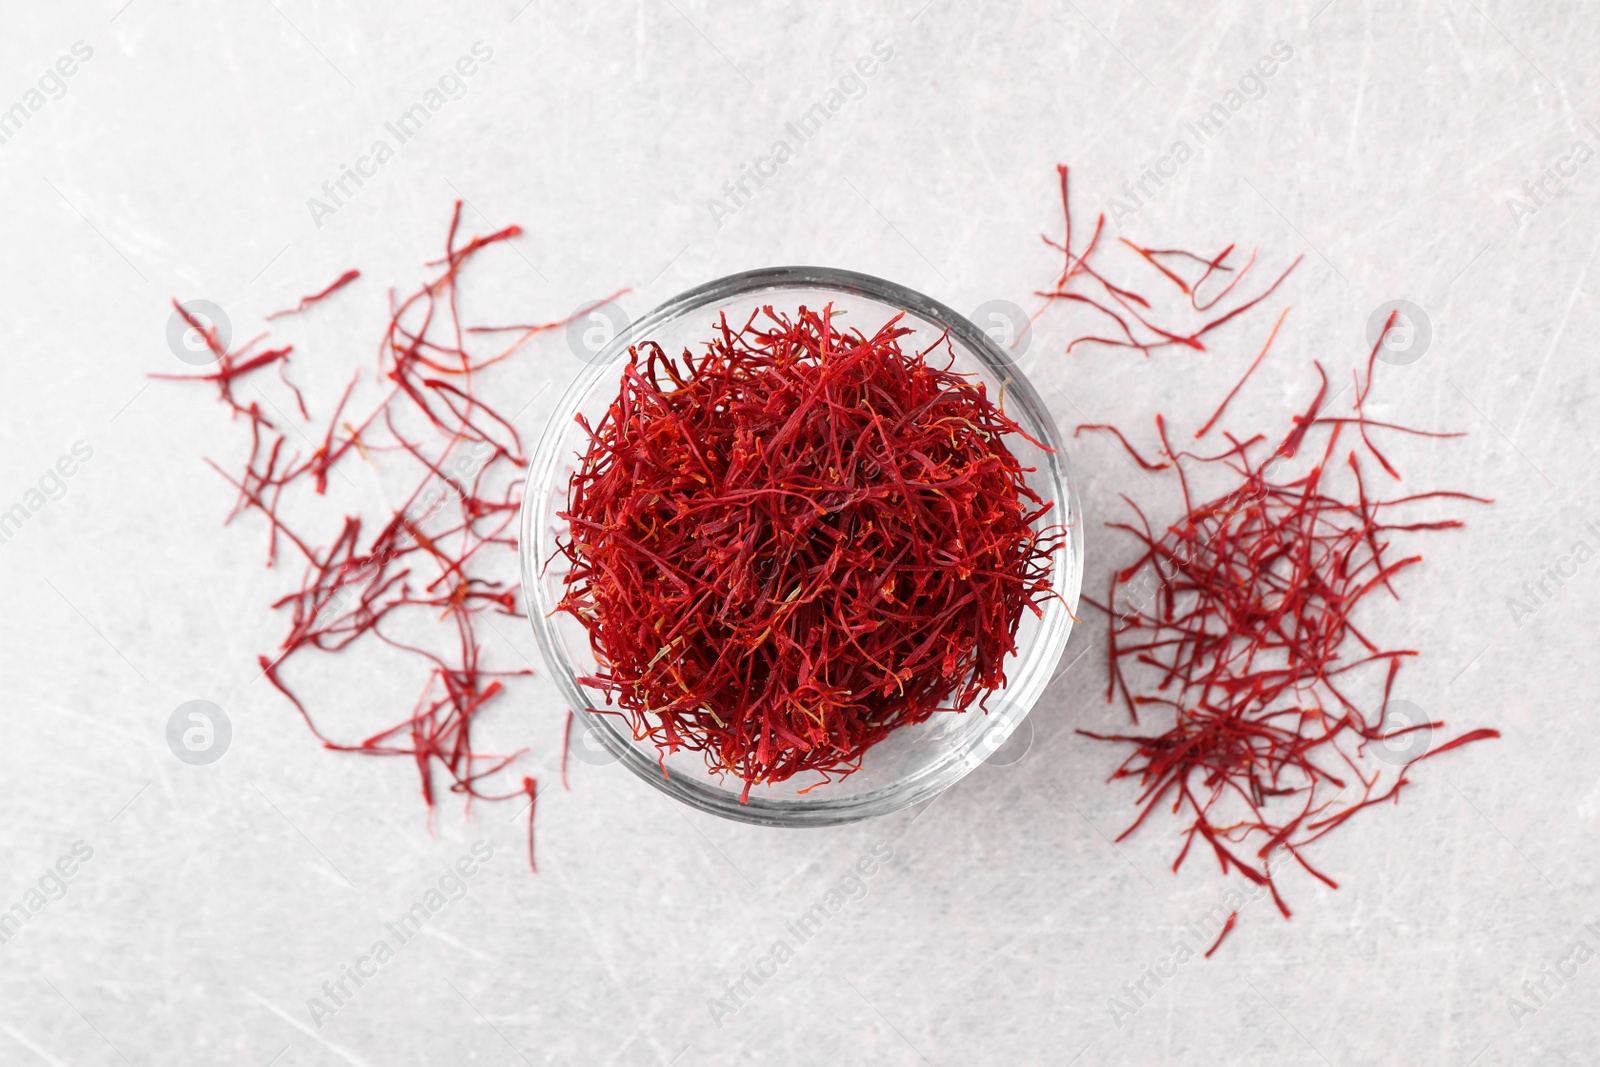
[1024, 684]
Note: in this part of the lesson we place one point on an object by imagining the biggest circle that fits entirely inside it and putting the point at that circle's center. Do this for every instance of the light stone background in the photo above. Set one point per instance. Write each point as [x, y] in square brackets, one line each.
[219, 898]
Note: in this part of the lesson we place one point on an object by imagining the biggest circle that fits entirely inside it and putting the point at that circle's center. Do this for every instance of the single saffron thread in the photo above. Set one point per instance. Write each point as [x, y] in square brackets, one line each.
[1227, 928]
[322, 294]
[1212, 421]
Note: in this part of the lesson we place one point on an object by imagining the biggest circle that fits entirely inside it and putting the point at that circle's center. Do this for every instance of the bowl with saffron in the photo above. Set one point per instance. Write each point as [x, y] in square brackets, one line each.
[800, 547]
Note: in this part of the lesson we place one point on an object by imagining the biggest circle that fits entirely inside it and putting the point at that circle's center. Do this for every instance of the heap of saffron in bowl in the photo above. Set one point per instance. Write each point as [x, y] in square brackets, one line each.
[798, 540]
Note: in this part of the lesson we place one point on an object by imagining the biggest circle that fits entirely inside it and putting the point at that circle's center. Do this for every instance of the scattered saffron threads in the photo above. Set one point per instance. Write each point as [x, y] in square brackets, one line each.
[428, 564]
[1237, 625]
[796, 541]
[1227, 928]
[343, 280]
[1240, 616]
[1125, 312]
[230, 366]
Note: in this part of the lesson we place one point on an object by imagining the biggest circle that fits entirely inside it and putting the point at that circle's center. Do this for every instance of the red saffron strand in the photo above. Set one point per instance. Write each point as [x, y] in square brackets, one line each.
[1212, 421]
[531, 787]
[1103, 428]
[306, 301]
[1227, 928]
[566, 748]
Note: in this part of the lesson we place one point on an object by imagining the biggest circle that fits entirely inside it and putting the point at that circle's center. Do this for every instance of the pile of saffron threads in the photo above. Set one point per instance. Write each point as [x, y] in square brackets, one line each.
[1236, 623]
[427, 562]
[797, 541]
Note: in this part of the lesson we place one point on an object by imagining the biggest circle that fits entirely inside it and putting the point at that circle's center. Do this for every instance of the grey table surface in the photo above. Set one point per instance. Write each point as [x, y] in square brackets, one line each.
[1438, 152]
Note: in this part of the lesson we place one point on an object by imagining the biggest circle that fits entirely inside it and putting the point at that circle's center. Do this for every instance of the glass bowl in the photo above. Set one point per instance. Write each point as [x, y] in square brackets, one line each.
[915, 762]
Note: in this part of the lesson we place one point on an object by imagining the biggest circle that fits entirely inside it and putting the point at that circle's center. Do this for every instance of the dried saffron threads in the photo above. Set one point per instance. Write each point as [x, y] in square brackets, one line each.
[1214, 289]
[797, 541]
[428, 566]
[1237, 625]
[1237, 622]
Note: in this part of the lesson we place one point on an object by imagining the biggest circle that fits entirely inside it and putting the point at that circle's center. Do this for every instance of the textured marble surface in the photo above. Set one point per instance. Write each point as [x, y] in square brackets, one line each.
[1439, 152]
